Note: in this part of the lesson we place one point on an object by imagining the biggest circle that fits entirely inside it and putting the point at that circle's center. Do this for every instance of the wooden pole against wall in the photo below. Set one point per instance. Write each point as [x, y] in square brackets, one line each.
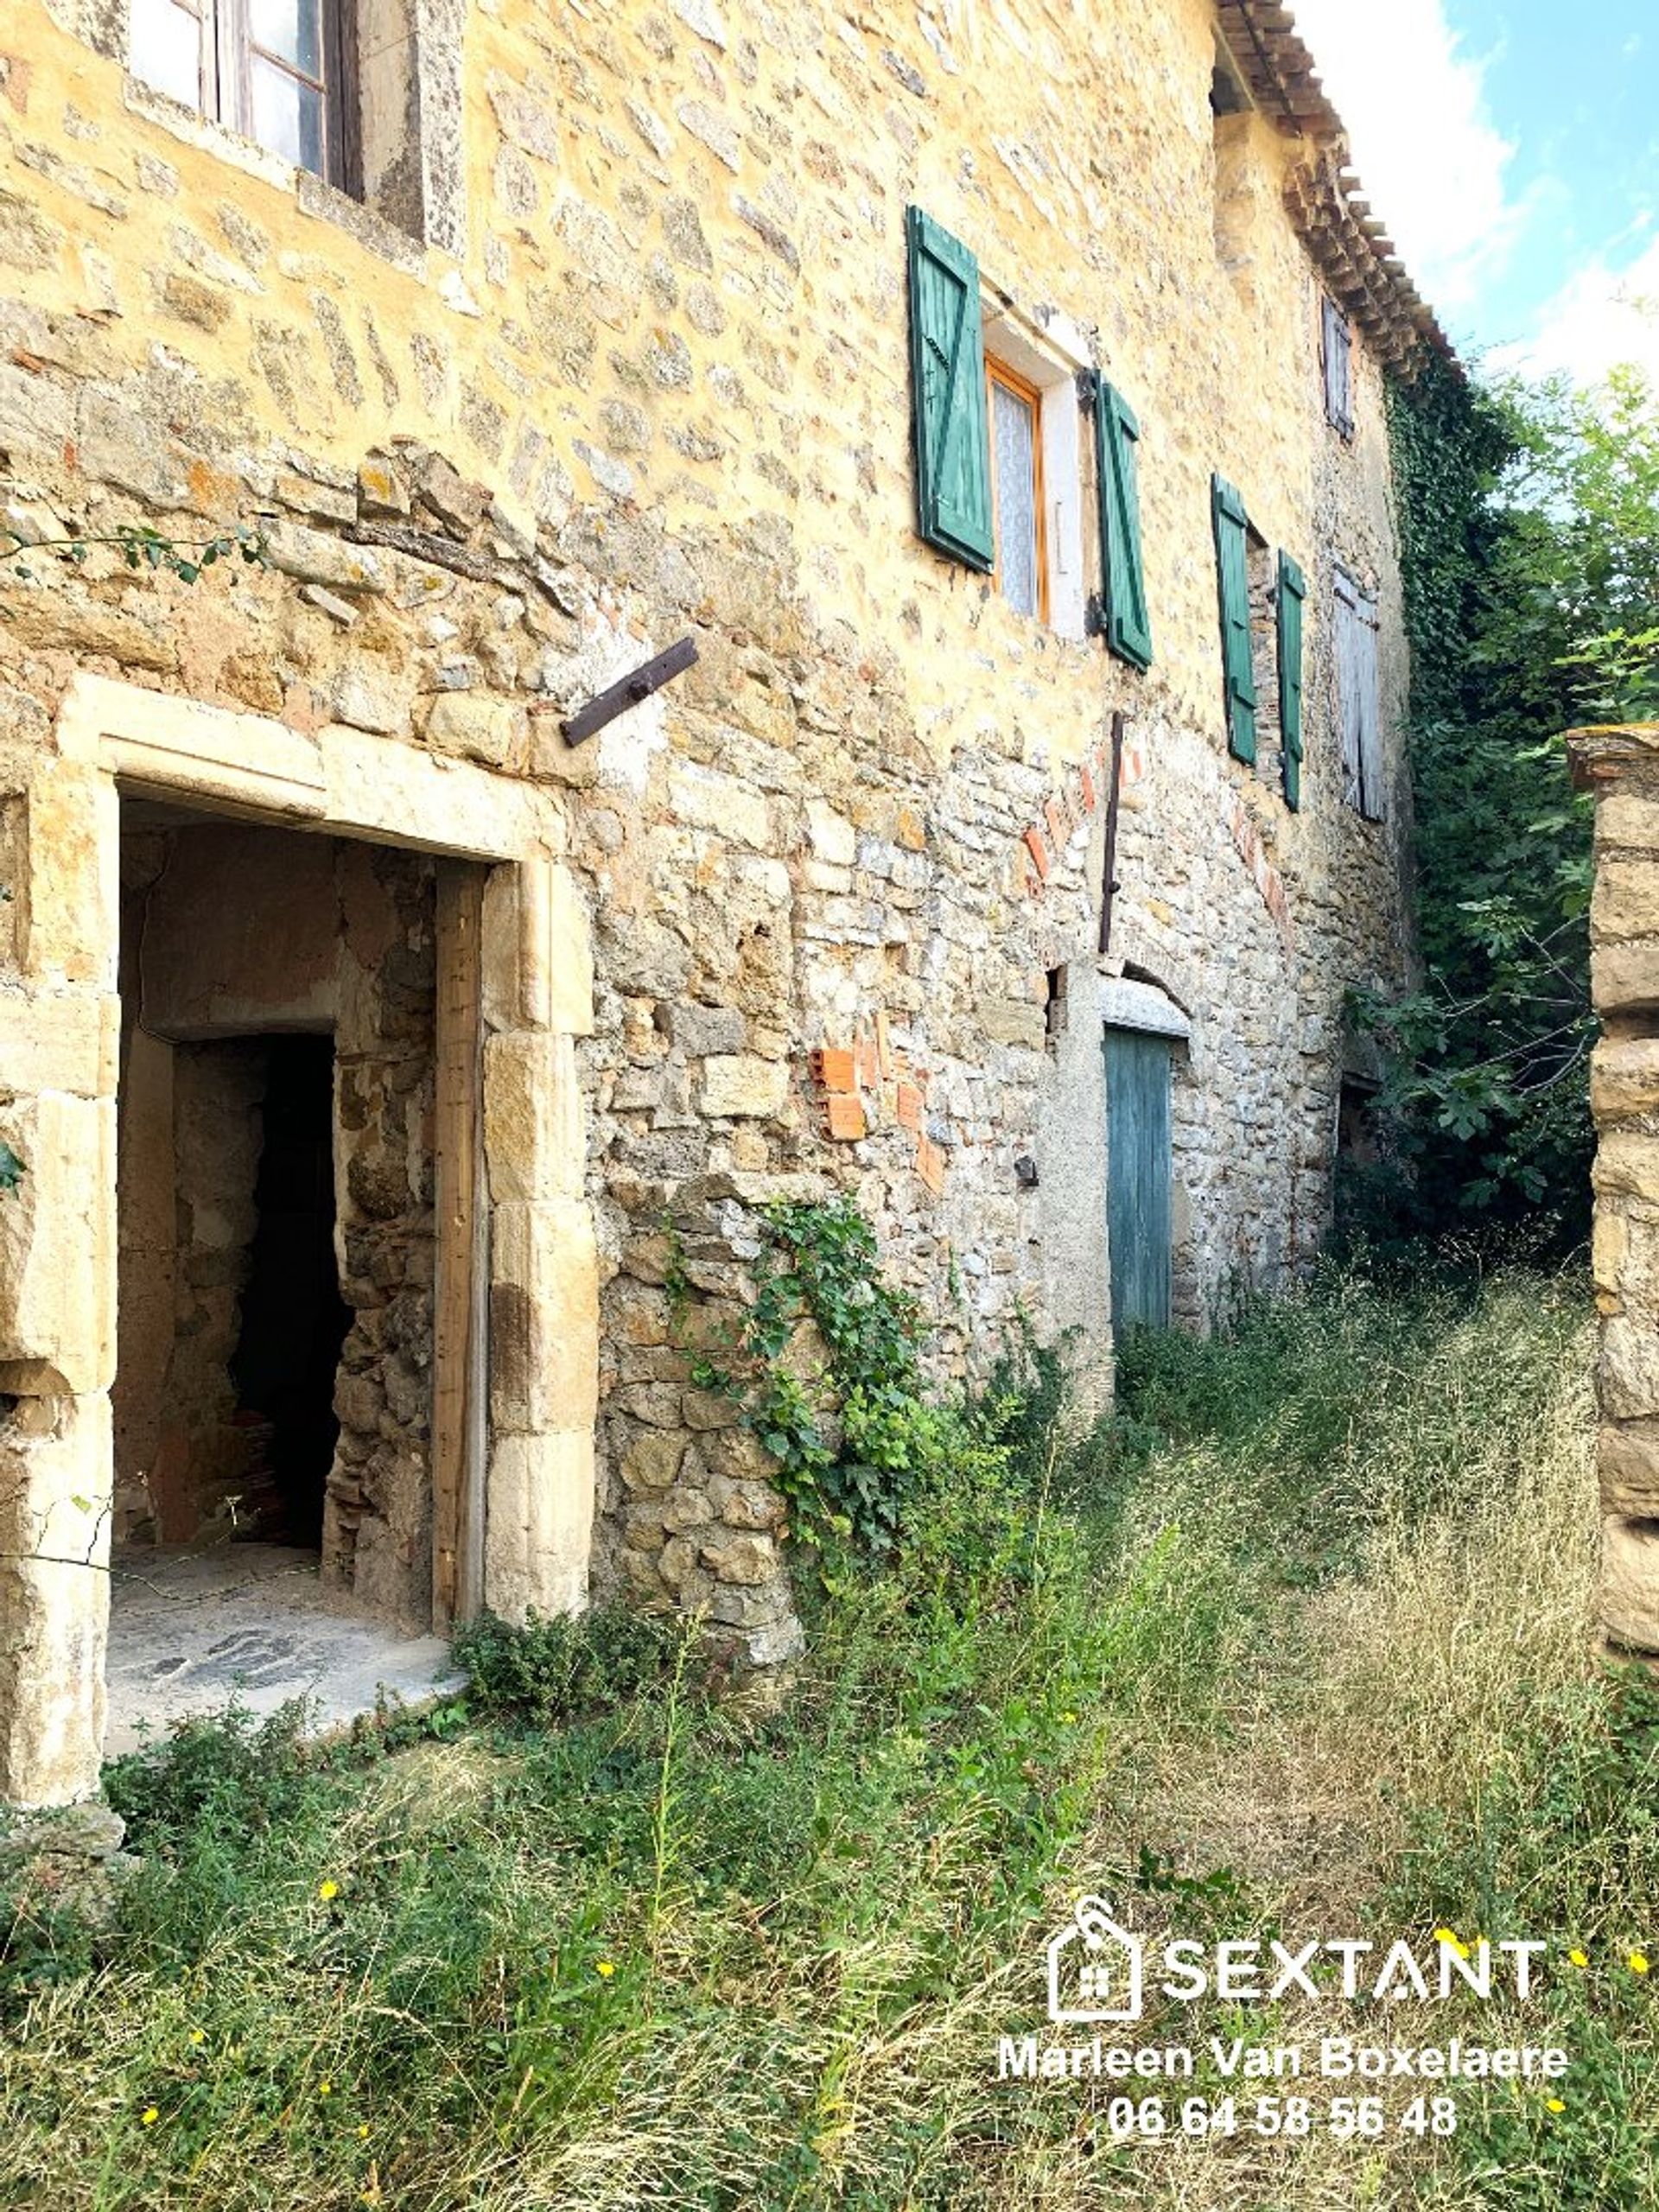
[461, 1215]
[1109, 867]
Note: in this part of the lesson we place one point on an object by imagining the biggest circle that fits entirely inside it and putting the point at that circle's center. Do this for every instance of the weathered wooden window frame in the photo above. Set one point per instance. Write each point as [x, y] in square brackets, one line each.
[1029, 395]
[1337, 366]
[228, 50]
[401, 182]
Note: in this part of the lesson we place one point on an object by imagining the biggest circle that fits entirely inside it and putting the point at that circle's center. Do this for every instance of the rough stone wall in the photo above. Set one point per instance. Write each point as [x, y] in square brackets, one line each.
[1622, 768]
[831, 871]
[377, 1534]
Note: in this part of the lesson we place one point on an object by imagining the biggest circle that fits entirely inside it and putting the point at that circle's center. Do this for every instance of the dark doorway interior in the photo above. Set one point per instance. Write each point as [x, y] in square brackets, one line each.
[292, 1319]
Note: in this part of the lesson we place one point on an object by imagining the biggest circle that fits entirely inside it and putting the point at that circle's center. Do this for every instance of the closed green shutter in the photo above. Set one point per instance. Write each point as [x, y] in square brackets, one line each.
[1232, 571]
[947, 366]
[1293, 594]
[1129, 631]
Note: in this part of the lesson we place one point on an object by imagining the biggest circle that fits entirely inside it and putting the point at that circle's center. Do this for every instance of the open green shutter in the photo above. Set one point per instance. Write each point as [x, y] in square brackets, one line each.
[1293, 592]
[947, 365]
[1233, 575]
[1129, 631]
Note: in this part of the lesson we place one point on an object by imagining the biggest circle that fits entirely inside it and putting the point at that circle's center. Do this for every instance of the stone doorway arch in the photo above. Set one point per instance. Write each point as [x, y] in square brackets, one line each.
[513, 1465]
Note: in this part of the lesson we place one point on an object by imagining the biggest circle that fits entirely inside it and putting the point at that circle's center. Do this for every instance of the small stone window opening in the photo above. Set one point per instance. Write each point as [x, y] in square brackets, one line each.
[1054, 1005]
[1336, 353]
[1357, 1144]
[280, 73]
[1014, 407]
[1227, 93]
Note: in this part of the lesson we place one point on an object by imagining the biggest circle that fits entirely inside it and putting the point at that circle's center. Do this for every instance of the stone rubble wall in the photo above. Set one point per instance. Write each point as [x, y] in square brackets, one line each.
[832, 873]
[1621, 766]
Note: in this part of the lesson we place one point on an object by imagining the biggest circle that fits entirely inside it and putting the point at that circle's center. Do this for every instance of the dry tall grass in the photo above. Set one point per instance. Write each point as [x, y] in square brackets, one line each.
[1351, 1585]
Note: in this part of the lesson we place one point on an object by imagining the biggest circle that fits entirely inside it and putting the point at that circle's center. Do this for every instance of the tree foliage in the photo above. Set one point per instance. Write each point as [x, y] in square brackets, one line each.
[1530, 526]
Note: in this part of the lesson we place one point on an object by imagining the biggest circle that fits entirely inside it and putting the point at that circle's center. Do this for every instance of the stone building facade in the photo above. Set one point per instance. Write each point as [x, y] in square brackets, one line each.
[1620, 767]
[626, 333]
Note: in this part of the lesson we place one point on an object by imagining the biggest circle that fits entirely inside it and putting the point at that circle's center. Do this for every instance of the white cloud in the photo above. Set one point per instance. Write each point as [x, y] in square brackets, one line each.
[1433, 162]
[1606, 313]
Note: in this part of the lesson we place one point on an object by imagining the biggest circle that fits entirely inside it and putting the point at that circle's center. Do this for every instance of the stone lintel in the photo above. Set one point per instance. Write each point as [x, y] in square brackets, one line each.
[152, 742]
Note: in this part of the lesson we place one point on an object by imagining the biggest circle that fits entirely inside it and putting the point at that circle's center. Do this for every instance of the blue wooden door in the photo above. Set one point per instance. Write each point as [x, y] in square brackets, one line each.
[1138, 1176]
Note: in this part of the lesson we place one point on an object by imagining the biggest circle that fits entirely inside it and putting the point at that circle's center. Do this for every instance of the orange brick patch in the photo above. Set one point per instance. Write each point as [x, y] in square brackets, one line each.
[929, 1163]
[909, 830]
[908, 1106]
[834, 1070]
[844, 1118]
[1038, 851]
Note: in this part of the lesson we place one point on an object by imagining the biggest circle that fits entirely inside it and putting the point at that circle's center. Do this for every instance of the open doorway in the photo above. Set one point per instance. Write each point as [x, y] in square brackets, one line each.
[276, 1186]
[294, 1322]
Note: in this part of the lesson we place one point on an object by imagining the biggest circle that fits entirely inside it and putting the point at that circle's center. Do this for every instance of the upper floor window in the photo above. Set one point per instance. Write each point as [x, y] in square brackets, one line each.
[276, 71]
[998, 431]
[1336, 350]
[1021, 569]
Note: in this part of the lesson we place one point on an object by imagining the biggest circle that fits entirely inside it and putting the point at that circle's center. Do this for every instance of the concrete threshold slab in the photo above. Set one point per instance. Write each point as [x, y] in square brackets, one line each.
[193, 1629]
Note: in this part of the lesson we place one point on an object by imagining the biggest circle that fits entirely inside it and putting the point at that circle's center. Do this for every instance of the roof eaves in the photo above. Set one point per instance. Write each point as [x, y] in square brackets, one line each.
[1349, 244]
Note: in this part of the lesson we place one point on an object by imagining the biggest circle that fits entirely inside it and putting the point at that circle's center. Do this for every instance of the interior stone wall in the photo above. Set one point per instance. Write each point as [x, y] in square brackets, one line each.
[377, 1540]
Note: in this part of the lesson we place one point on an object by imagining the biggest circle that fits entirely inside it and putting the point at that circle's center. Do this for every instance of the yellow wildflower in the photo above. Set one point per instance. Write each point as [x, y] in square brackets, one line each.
[326, 1890]
[325, 2088]
[363, 2132]
[606, 1969]
[198, 2035]
[1576, 1958]
[152, 2115]
[1638, 1962]
[1554, 2104]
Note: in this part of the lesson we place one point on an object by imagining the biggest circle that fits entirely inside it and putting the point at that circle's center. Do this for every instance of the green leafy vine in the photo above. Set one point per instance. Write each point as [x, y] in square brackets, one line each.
[140, 546]
[844, 1417]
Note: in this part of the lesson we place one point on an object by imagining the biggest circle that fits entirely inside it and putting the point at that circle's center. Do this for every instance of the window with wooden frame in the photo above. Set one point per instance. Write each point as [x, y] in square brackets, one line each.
[1014, 409]
[998, 430]
[279, 72]
[1336, 351]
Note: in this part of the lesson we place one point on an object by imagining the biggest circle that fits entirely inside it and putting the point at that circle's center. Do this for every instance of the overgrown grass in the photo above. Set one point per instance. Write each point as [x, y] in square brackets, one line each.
[1302, 1642]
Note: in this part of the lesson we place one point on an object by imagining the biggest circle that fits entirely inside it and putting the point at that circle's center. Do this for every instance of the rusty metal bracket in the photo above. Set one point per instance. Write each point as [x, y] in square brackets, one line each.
[588, 720]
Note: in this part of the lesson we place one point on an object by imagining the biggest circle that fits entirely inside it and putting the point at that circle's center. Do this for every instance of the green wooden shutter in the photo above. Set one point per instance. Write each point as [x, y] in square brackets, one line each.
[1232, 570]
[1293, 593]
[1129, 631]
[947, 365]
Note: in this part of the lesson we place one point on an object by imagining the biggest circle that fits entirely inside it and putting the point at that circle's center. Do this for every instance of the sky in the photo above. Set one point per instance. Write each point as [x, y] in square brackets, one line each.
[1512, 148]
